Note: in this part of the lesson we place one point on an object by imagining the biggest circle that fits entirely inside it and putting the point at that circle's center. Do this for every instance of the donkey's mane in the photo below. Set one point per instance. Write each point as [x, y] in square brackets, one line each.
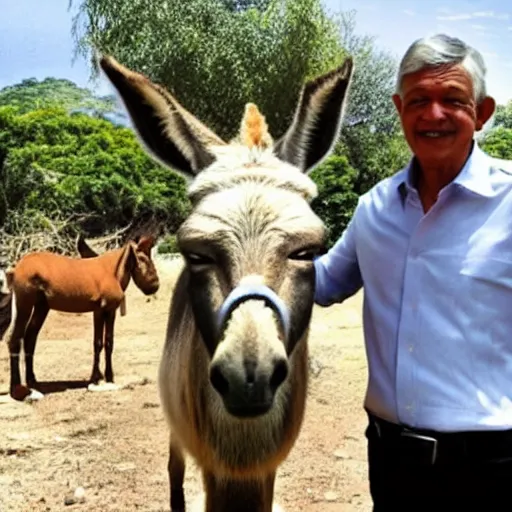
[237, 165]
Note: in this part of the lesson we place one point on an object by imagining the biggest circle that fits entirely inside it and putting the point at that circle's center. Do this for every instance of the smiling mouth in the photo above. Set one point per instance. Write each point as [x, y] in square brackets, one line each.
[435, 134]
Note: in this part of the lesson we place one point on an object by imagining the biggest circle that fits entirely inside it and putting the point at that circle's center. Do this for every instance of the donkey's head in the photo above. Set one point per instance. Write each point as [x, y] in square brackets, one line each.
[143, 270]
[250, 240]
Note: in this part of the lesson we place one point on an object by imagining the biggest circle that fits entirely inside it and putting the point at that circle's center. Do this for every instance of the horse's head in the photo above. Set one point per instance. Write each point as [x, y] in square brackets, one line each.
[143, 270]
[251, 238]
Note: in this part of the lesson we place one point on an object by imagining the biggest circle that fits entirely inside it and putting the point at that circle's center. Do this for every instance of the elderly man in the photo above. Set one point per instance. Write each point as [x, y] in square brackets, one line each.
[432, 246]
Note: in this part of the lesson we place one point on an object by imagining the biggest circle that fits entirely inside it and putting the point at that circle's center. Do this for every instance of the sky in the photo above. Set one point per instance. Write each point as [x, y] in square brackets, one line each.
[36, 40]
[484, 24]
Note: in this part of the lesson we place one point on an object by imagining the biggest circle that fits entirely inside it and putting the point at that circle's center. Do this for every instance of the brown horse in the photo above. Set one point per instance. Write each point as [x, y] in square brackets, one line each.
[43, 281]
[234, 370]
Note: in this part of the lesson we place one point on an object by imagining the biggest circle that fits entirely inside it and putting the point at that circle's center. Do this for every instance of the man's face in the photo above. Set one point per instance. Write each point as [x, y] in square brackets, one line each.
[439, 113]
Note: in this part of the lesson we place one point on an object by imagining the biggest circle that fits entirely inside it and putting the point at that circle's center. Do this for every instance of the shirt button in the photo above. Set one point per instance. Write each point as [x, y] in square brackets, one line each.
[411, 348]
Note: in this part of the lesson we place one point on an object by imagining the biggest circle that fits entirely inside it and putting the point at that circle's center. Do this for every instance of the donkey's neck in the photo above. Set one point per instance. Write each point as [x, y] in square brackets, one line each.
[248, 495]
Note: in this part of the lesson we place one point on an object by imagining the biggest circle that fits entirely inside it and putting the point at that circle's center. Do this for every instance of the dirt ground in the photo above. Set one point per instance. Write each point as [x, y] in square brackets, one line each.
[114, 444]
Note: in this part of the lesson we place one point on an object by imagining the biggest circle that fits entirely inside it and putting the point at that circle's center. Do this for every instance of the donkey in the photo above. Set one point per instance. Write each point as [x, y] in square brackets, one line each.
[42, 281]
[233, 375]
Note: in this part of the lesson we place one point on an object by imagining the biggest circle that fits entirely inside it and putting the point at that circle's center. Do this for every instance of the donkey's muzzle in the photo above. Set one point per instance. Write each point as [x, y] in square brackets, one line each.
[244, 293]
[248, 392]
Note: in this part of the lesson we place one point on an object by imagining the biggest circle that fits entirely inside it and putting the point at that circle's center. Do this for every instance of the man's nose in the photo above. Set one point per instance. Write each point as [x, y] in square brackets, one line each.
[434, 111]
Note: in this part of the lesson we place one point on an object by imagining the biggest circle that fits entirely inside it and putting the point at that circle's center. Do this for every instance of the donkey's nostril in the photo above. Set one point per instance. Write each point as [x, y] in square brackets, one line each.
[279, 374]
[219, 382]
[250, 371]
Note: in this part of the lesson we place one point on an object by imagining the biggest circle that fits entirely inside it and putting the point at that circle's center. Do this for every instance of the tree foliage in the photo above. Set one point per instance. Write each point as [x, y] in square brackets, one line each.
[216, 57]
[498, 143]
[33, 94]
[59, 164]
[336, 198]
[503, 115]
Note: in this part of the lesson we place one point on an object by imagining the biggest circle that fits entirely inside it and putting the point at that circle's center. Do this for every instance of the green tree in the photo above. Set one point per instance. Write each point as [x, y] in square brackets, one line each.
[503, 115]
[214, 57]
[498, 143]
[371, 136]
[60, 164]
[336, 198]
[31, 94]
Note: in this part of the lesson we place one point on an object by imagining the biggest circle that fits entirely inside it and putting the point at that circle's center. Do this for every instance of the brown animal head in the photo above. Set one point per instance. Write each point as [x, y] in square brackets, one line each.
[250, 240]
[141, 265]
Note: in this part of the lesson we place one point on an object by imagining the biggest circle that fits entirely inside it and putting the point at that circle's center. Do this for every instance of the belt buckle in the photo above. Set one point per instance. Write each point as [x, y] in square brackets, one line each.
[424, 441]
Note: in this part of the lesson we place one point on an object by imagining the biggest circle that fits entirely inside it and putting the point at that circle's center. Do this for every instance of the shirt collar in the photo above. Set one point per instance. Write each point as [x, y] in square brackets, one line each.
[474, 176]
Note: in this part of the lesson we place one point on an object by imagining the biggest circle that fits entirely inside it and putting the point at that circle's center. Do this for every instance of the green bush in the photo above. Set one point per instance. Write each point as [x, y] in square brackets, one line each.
[498, 143]
[336, 199]
[75, 165]
[168, 245]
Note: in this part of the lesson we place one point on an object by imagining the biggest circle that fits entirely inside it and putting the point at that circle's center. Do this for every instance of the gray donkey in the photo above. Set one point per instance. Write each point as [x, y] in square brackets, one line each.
[234, 370]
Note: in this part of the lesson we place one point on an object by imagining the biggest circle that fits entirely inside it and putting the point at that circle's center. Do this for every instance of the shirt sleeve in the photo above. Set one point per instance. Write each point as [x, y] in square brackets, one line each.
[337, 272]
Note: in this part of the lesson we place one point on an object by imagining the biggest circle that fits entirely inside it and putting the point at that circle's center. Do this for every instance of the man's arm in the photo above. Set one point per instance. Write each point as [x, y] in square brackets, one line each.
[337, 272]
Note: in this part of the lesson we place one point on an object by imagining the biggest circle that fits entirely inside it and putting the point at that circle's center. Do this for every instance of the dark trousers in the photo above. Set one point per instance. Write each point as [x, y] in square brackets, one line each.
[470, 471]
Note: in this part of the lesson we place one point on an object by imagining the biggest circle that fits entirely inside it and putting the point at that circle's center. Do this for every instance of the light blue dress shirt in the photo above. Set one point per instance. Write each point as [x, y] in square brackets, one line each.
[437, 310]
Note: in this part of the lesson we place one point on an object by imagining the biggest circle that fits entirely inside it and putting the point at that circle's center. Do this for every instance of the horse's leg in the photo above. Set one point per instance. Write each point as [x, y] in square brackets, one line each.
[22, 317]
[176, 470]
[99, 322]
[110, 318]
[41, 309]
[103, 335]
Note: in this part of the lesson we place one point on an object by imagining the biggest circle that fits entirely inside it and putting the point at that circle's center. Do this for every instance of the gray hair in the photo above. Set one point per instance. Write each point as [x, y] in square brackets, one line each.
[438, 50]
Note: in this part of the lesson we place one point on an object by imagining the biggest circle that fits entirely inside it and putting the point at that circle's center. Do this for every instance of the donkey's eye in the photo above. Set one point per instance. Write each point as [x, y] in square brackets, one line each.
[304, 254]
[194, 258]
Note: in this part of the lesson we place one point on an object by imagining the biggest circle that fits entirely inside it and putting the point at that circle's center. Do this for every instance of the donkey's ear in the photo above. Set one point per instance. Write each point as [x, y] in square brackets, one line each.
[170, 133]
[317, 122]
[145, 244]
[83, 248]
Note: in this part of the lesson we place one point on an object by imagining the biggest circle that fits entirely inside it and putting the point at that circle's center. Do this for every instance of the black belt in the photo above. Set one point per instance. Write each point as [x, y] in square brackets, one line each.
[427, 447]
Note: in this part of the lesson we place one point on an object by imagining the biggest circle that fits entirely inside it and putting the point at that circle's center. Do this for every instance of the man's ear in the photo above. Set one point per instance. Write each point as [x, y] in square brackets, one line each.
[484, 111]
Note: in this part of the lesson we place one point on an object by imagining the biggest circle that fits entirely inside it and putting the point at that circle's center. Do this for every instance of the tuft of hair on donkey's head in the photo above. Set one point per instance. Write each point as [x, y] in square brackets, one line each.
[233, 375]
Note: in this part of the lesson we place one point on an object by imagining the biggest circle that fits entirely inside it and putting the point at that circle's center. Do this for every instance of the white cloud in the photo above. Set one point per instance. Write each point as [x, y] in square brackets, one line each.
[444, 10]
[479, 27]
[490, 14]
[489, 55]
[476, 14]
[454, 17]
[409, 12]
[483, 14]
